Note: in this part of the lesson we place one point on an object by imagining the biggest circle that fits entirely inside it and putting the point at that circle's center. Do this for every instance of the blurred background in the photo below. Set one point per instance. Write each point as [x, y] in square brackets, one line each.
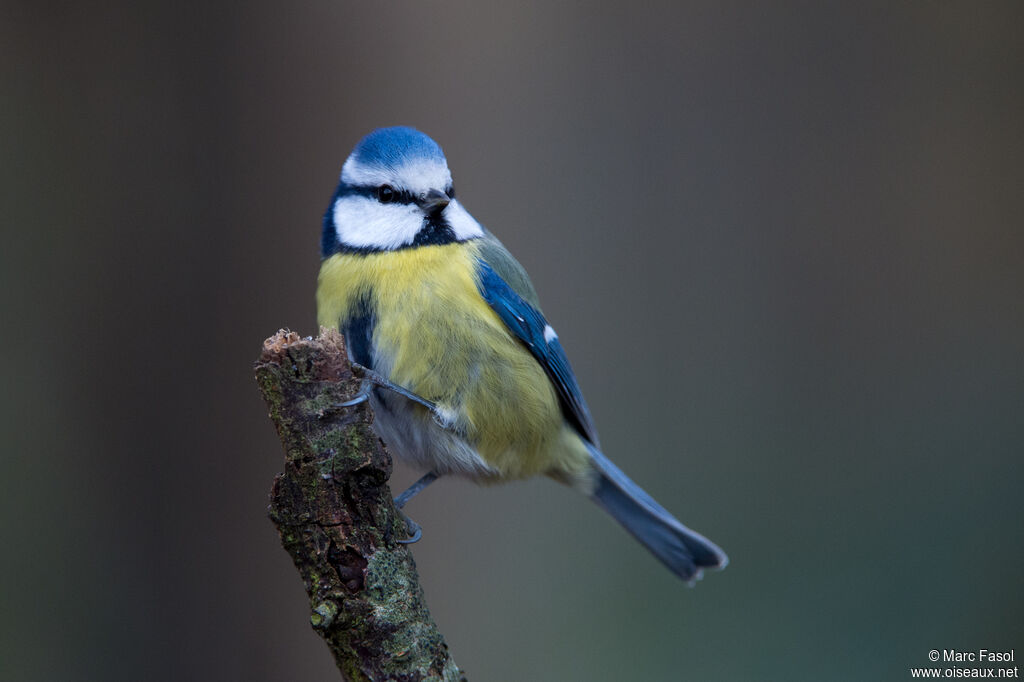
[782, 245]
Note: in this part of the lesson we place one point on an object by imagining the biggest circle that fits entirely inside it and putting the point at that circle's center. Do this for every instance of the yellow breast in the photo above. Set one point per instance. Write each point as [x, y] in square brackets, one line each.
[435, 335]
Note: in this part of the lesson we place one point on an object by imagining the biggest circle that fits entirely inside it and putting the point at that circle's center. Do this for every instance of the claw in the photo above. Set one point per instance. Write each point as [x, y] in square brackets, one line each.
[414, 529]
[360, 397]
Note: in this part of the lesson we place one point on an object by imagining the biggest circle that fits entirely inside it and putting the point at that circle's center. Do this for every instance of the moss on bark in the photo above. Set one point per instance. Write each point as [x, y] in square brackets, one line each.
[336, 518]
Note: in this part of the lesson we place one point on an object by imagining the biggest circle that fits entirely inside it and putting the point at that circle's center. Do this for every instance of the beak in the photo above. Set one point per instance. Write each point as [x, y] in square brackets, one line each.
[433, 202]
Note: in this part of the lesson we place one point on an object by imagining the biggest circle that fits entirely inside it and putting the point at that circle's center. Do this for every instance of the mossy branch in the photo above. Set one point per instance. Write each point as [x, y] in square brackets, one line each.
[334, 512]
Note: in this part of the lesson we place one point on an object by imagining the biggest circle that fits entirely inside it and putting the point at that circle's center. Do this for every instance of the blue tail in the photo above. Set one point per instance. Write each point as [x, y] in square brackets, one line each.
[683, 551]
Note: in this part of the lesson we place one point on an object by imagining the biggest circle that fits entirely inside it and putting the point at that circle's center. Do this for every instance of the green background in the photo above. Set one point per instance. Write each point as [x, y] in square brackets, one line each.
[782, 243]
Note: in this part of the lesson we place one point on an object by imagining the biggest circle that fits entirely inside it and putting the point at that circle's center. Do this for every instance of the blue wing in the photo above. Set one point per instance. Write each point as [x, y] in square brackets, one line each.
[530, 327]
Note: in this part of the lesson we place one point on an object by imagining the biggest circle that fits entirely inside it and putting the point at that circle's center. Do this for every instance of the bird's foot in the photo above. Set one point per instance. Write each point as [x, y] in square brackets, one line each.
[444, 418]
[371, 379]
[414, 529]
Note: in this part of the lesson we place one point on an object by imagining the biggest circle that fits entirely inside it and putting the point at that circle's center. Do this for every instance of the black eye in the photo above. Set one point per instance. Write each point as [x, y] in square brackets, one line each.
[385, 194]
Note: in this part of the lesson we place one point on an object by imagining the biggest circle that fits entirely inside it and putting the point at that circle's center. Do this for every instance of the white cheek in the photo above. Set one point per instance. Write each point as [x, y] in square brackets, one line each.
[361, 222]
[462, 224]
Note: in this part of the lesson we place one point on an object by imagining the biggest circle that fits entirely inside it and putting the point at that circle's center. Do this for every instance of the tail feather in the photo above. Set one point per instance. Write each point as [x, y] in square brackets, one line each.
[685, 552]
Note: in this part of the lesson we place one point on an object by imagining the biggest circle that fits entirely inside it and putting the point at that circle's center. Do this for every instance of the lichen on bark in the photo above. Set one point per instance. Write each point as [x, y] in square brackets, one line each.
[336, 518]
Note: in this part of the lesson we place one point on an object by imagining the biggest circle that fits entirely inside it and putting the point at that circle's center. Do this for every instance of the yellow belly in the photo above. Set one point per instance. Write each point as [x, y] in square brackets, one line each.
[436, 336]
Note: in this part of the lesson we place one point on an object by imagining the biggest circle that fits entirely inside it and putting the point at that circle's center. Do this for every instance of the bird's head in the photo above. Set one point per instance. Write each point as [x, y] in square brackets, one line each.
[395, 192]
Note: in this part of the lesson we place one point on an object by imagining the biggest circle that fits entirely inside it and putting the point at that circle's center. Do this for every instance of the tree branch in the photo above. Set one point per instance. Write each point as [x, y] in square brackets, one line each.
[334, 512]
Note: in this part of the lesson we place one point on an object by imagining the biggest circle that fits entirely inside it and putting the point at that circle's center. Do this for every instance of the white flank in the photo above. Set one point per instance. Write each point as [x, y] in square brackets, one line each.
[445, 417]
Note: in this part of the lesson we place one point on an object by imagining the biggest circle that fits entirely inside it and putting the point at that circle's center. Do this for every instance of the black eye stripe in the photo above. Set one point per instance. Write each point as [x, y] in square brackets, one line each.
[399, 196]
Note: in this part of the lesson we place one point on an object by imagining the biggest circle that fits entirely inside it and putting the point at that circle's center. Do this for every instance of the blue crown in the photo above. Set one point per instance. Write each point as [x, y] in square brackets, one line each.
[396, 146]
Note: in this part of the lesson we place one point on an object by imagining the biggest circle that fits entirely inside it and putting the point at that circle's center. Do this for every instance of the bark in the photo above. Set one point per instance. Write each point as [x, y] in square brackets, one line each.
[333, 509]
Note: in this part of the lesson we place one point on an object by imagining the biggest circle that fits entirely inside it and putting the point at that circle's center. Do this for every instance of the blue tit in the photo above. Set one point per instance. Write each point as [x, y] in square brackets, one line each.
[436, 308]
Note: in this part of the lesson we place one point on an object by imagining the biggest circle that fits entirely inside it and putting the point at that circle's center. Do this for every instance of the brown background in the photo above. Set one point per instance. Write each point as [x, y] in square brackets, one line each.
[782, 245]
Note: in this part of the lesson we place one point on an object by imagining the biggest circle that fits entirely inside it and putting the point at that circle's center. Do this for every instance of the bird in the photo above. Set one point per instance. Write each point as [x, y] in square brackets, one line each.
[464, 374]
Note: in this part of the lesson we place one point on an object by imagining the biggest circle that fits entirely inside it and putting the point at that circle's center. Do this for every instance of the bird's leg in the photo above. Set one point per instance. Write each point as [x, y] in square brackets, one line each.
[413, 490]
[414, 529]
[371, 379]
